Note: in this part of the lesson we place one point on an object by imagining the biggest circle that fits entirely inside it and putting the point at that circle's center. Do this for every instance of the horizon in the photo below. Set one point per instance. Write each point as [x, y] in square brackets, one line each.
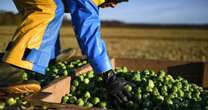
[149, 11]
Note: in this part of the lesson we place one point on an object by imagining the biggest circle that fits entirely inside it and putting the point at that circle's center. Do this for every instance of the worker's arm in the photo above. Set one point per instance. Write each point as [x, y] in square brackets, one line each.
[86, 24]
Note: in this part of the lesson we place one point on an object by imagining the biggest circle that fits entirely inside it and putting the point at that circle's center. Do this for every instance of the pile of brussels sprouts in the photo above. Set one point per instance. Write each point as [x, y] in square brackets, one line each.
[56, 70]
[153, 91]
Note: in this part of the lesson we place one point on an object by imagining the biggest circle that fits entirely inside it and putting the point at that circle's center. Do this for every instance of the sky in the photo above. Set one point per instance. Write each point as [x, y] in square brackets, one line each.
[149, 11]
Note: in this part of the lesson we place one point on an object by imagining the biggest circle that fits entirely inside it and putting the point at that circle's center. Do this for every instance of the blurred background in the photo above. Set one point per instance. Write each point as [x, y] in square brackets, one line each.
[143, 29]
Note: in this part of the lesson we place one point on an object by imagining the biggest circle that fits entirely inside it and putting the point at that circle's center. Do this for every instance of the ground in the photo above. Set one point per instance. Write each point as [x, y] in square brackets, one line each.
[181, 44]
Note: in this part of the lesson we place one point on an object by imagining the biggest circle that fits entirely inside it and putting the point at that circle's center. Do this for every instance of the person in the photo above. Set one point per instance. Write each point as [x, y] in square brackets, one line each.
[35, 43]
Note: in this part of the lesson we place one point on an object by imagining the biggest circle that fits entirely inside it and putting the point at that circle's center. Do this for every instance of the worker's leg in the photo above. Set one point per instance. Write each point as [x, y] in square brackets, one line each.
[34, 41]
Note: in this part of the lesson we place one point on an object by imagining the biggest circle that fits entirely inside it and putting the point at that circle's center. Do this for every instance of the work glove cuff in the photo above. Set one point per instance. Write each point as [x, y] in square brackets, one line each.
[109, 76]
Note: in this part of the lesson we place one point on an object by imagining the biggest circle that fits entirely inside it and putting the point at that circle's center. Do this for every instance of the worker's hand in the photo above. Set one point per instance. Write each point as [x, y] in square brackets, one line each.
[115, 87]
[109, 3]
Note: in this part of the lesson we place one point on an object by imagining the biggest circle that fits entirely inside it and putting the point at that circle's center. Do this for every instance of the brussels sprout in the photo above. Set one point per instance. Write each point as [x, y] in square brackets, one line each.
[73, 88]
[95, 100]
[63, 67]
[130, 104]
[88, 105]
[188, 95]
[152, 72]
[71, 66]
[86, 81]
[138, 90]
[24, 76]
[179, 78]
[77, 61]
[11, 101]
[159, 98]
[90, 74]
[19, 101]
[186, 88]
[146, 96]
[162, 73]
[72, 99]
[81, 78]
[44, 107]
[128, 88]
[125, 69]
[146, 72]
[76, 83]
[151, 84]
[87, 94]
[138, 97]
[103, 104]
[174, 89]
[99, 79]
[180, 93]
[47, 69]
[173, 95]
[80, 102]
[178, 84]
[84, 62]
[149, 89]
[164, 90]
[55, 70]
[2, 105]
[79, 64]
[185, 82]
[155, 92]
[65, 99]
[169, 101]
[57, 76]
[169, 78]
[65, 73]
[136, 77]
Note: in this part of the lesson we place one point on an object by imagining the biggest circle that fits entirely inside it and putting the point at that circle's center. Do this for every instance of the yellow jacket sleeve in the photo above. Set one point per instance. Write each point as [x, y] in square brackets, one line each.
[98, 2]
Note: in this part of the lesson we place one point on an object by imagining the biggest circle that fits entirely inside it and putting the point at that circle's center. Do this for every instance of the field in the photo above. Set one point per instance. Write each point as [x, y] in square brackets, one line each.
[186, 44]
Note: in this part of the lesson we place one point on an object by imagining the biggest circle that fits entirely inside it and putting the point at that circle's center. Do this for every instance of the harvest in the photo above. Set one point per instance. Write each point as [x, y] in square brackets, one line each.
[153, 91]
